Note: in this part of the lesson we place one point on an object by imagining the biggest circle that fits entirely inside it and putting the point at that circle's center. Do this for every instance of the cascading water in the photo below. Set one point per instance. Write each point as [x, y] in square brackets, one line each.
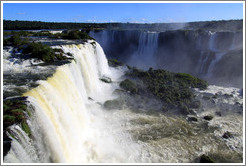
[103, 37]
[144, 57]
[142, 50]
[70, 127]
[219, 52]
[69, 124]
[217, 56]
[200, 53]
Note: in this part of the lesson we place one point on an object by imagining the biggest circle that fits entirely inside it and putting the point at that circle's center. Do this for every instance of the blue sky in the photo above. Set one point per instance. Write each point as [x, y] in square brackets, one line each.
[122, 12]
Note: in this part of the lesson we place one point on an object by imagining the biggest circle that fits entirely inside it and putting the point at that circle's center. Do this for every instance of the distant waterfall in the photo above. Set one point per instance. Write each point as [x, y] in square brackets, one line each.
[144, 57]
[103, 37]
[69, 123]
[134, 47]
[66, 125]
[217, 51]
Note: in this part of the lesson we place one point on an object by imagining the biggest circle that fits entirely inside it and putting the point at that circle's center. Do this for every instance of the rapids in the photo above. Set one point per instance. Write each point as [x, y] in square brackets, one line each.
[70, 125]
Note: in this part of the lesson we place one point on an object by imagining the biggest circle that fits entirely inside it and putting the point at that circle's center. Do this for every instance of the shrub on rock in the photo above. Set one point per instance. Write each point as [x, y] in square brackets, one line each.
[206, 159]
[128, 85]
[172, 88]
[114, 63]
[14, 113]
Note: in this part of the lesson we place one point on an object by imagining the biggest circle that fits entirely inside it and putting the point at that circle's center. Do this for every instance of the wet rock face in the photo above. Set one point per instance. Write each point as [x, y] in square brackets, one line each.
[6, 143]
[113, 104]
[214, 56]
[117, 44]
[106, 79]
[176, 48]
[192, 119]
[227, 135]
[208, 117]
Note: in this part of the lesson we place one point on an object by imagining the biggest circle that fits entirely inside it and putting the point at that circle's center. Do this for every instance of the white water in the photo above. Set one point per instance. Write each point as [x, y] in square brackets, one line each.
[144, 54]
[73, 128]
[144, 57]
[16, 65]
[219, 52]
[231, 122]
[103, 37]
[67, 127]
[148, 43]
[212, 46]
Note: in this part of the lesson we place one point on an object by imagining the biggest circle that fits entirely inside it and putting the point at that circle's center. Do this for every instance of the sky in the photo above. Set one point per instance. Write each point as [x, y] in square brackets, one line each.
[122, 12]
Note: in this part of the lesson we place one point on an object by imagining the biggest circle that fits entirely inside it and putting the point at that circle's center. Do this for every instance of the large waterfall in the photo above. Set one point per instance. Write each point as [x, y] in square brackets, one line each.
[66, 125]
[69, 124]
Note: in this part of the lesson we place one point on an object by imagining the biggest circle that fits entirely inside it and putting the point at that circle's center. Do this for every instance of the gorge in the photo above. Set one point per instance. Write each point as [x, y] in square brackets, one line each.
[90, 108]
[214, 56]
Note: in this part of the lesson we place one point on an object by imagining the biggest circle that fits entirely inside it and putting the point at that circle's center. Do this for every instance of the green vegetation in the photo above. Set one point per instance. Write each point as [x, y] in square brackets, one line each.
[67, 34]
[38, 50]
[74, 34]
[226, 25]
[14, 113]
[128, 85]
[27, 33]
[114, 63]
[26, 128]
[43, 52]
[174, 89]
[189, 80]
[35, 25]
[206, 159]
[15, 40]
[71, 35]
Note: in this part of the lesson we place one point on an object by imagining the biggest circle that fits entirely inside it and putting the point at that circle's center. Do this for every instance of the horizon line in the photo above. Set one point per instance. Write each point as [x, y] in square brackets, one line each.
[127, 22]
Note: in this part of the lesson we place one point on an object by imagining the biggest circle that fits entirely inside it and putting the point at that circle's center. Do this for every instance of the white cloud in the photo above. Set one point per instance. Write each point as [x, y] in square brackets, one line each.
[91, 20]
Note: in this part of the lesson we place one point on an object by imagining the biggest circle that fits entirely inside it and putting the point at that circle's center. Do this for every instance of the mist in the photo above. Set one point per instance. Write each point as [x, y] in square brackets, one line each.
[212, 55]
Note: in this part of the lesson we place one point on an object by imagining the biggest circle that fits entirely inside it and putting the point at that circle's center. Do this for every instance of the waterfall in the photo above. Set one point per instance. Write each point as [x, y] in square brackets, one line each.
[67, 126]
[219, 53]
[148, 43]
[104, 37]
[144, 57]
[212, 42]
[142, 46]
